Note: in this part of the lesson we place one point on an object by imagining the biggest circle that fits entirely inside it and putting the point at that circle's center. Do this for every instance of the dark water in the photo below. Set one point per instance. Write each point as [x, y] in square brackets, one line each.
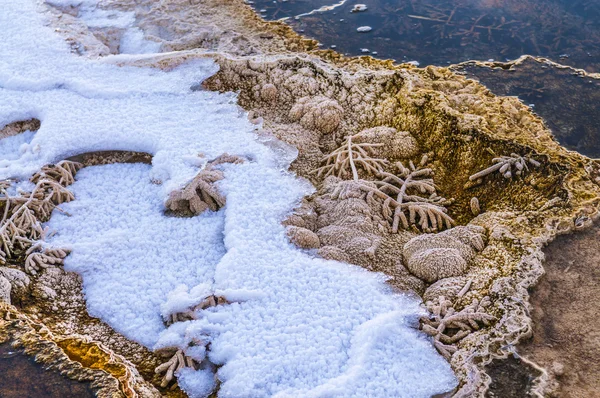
[510, 378]
[569, 102]
[442, 32]
[22, 377]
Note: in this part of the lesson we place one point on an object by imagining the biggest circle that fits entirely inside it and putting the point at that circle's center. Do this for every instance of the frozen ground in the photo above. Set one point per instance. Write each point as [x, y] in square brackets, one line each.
[297, 325]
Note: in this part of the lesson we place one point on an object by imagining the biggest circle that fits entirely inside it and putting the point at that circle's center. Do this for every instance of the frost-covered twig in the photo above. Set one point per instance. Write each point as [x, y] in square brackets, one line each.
[347, 158]
[63, 172]
[507, 166]
[191, 312]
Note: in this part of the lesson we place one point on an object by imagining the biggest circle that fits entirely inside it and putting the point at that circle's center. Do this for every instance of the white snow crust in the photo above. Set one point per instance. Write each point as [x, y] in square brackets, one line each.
[296, 326]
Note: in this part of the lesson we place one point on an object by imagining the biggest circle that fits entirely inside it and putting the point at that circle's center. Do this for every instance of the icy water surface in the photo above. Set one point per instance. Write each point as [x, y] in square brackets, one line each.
[442, 32]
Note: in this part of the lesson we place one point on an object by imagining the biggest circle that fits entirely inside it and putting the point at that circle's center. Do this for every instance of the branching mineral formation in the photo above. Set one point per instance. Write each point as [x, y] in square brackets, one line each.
[508, 166]
[201, 194]
[411, 193]
[21, 224]
[448, 326]
[193, 311]
[39, 257]
[194, 354]
[345, 160]
[177, 361]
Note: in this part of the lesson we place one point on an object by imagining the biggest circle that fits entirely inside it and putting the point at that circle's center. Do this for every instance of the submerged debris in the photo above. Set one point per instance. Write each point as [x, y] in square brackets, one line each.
[359, 8]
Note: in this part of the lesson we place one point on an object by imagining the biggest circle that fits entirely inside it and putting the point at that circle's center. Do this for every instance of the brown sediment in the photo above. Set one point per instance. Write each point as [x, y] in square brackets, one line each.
[312, 100]
[565, 305]
[38, 341]
[109, 157]
[19, 127]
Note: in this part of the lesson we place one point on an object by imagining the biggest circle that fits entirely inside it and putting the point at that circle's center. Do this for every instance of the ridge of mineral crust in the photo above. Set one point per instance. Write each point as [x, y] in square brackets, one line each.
[312, 100]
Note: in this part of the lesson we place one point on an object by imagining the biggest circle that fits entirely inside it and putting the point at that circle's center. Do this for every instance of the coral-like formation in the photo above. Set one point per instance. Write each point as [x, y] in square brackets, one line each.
[508, 166]
[397, 145]
[5, 288]
[448, 326]
[269, 92]
[432, 257]
[200, 194]
[192, 312]
[370, 150]
[22, 215]
[317, 113]
[39, 257]
[447, 287]
[475, 207]
[333, 253]
[177, 361]
[344, 160]
[12, 280]
[303, 237]
[403, 195]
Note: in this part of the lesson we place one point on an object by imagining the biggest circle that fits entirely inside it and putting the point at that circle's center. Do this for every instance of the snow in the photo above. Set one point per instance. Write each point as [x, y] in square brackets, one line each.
[144, 255]
[296, 325]
[11, 147]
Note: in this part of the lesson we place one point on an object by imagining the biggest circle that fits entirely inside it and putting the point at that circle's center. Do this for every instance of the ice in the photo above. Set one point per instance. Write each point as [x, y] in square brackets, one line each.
[296, 325]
